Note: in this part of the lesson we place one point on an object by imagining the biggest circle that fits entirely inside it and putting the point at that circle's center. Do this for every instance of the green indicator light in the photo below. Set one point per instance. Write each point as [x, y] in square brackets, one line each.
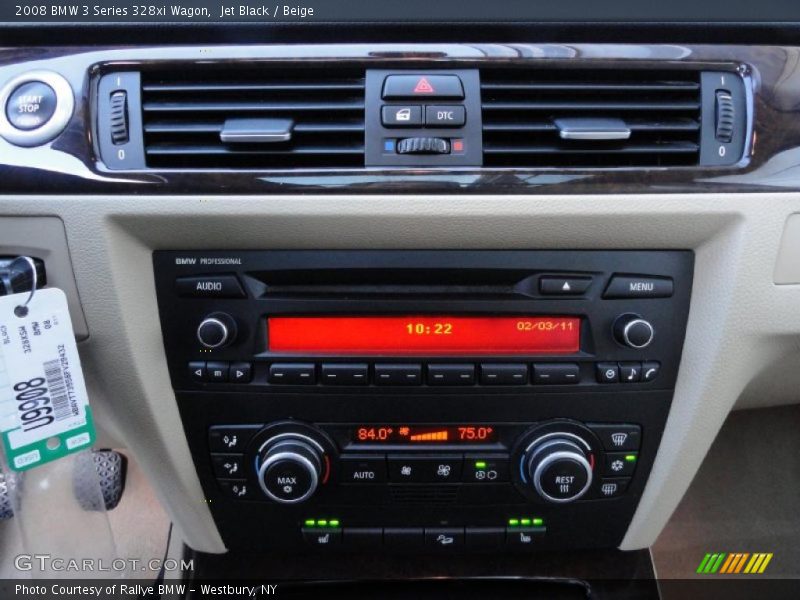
[525, 521]
[322, 523]
[538, 522]
[630, 457]
[480, 465]
[310, 522]
[333, 523]
[513, 522]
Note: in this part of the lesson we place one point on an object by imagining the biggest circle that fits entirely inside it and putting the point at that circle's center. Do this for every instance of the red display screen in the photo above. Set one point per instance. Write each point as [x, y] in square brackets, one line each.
[425, 335]
[414, 434]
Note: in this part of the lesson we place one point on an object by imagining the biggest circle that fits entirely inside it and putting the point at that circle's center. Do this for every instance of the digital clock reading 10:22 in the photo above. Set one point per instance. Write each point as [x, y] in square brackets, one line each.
[424, 335]
[426, 329]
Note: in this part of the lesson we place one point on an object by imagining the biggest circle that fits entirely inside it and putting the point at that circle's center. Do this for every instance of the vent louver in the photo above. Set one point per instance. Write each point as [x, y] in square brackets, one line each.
[657, 116]
[184, 113]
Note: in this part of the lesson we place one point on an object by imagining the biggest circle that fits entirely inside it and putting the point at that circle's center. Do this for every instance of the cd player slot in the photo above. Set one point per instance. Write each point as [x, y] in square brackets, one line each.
[407, 283]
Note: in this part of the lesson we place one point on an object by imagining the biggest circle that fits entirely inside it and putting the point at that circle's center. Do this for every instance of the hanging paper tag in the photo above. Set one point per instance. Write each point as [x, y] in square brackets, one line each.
[44, 407]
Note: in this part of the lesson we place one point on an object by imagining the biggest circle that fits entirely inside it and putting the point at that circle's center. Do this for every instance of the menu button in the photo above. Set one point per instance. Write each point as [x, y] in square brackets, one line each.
[639, 287]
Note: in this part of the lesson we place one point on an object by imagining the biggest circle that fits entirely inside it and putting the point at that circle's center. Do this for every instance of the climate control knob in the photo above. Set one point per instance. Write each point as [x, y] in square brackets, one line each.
[633, 331]
[558, 467]
[216, 330]
[289, 468]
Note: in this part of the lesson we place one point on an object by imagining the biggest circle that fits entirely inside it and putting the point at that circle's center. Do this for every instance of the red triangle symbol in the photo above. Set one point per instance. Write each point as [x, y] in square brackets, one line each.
[423, 87]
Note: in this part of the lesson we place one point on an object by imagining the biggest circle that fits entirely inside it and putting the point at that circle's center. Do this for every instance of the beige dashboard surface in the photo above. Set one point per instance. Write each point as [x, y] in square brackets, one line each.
[742, 327]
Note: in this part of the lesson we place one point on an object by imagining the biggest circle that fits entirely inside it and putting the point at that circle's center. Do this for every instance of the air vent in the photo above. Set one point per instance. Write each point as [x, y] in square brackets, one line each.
[583, 118]
[269, 118]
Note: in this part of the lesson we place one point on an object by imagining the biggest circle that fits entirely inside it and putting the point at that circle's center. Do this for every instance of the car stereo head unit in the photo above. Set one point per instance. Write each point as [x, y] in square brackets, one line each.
[423, 401]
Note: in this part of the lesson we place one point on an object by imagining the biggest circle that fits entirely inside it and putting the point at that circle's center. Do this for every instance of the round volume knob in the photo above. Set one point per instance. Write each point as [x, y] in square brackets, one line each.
[216, 330]
[289, 468]
[633, 331]
[557, 466]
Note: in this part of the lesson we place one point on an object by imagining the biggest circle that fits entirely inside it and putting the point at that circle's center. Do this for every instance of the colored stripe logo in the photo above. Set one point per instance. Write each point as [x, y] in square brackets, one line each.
[733, 563]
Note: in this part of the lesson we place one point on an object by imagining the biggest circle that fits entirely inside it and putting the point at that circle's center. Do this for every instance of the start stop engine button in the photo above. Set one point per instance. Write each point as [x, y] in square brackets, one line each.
[35, 107]
[31, 105]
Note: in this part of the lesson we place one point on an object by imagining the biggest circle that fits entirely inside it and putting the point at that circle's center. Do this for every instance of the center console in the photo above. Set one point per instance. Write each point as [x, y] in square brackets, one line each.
[423, 401]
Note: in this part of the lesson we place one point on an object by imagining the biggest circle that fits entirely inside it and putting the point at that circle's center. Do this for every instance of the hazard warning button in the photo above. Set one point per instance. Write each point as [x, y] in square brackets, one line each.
[422, 86]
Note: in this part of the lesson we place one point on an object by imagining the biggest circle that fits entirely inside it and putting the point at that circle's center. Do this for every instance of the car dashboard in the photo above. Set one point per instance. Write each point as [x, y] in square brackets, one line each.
[483, 301]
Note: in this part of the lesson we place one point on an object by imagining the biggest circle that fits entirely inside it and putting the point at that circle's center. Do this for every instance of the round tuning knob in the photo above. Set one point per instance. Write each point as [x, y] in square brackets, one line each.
[216, 330]
[558, 468]
[289, 467]
[633, 331]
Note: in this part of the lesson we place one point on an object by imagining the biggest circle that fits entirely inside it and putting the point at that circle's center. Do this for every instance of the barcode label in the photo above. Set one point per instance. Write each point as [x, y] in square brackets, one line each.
[58, 389]
[44, 407]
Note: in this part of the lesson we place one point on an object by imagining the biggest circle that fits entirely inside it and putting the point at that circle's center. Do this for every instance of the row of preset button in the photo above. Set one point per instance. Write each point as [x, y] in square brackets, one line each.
[460, 374]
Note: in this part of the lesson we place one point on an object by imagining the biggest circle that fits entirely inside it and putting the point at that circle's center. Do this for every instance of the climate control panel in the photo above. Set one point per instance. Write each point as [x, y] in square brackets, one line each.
[556, 462]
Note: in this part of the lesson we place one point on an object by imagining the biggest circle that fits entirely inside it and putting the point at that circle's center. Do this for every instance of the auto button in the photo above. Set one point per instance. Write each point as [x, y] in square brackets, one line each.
[362, 469]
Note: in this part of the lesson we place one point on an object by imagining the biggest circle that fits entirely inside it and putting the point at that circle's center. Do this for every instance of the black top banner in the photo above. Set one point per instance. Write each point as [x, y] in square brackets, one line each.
[391, 11]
